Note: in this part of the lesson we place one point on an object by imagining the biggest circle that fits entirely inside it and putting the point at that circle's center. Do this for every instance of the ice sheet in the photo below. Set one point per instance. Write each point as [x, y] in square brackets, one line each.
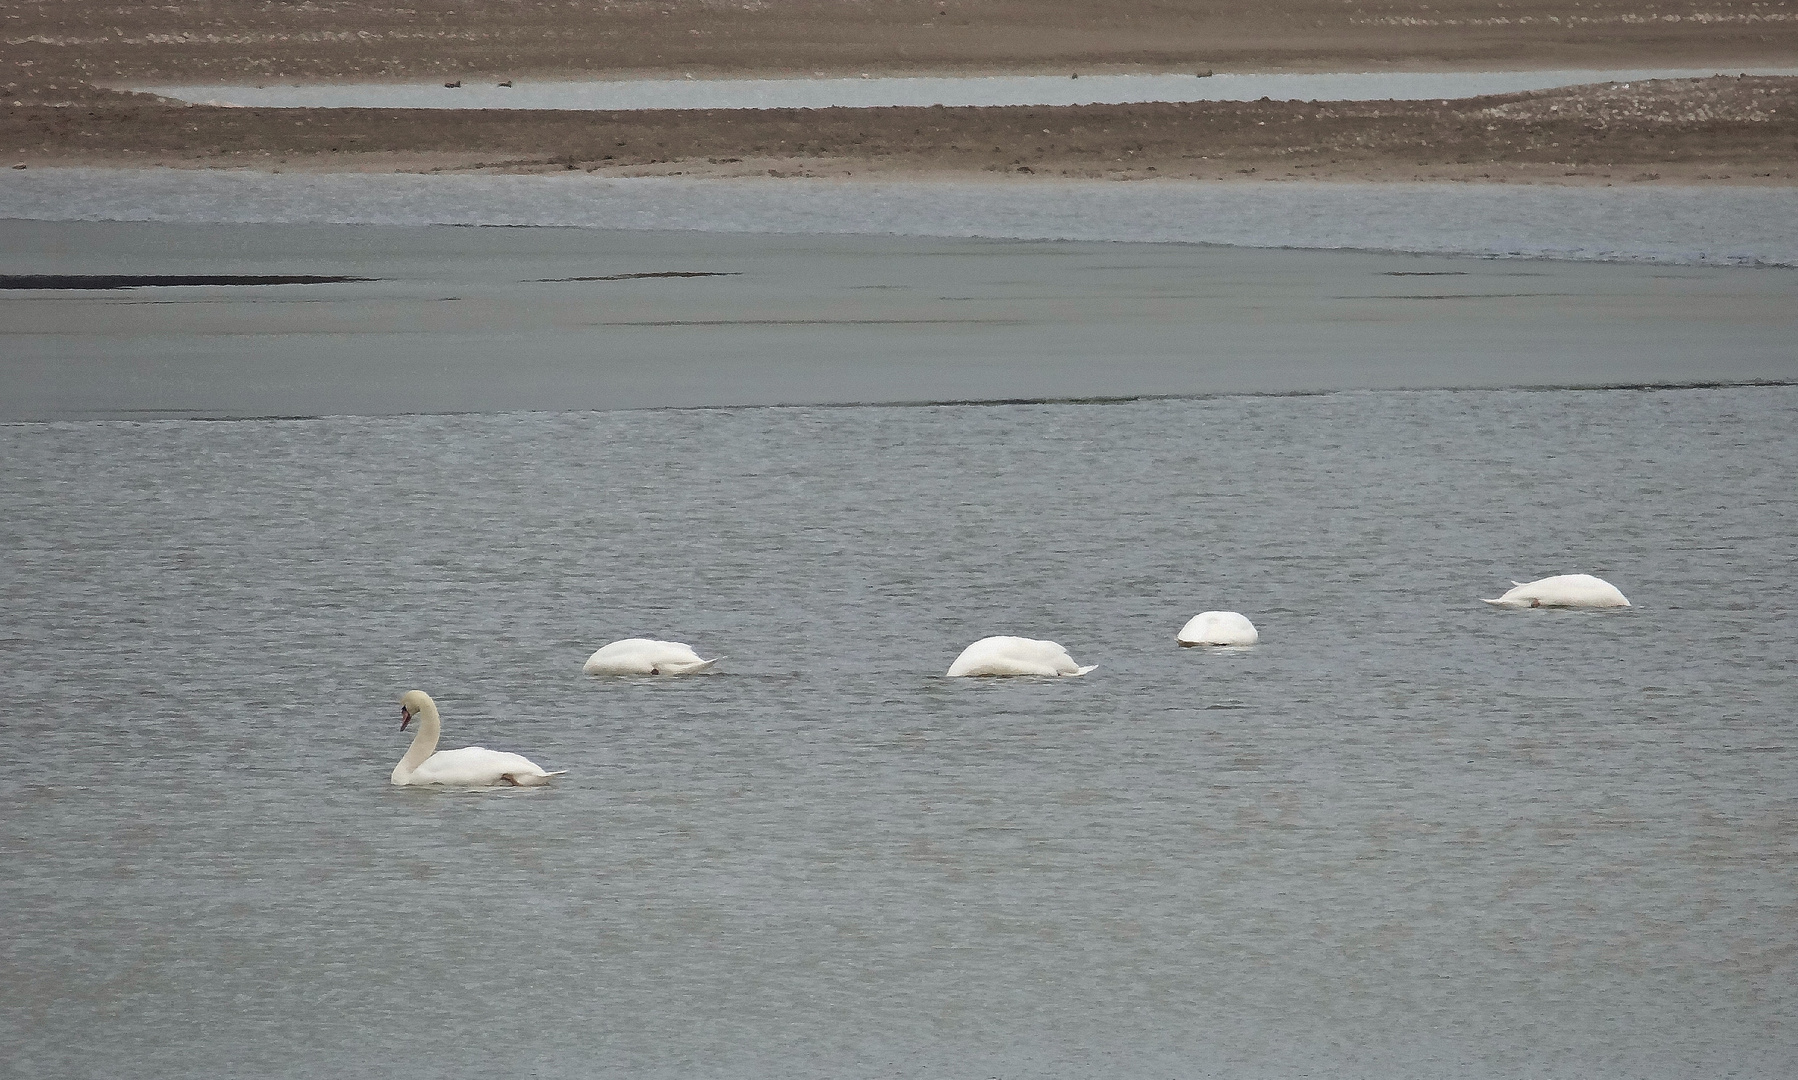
[1672, 225]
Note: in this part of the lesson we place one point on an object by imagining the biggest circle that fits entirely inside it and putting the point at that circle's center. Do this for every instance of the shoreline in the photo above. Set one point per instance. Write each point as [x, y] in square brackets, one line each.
[226, 40]
[57, 60]
[1544, 175]
[1725, 65]
[1724, 130]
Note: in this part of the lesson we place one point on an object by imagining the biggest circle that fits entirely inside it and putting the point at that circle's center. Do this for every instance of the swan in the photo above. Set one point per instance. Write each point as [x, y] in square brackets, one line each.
[1015, 656]
[645, 656]
[1563, 590]
[1218, 628]
[471, 766]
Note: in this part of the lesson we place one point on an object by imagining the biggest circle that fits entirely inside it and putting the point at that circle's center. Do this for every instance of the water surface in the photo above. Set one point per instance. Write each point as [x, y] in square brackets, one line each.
[867, 93]
[1408, 835]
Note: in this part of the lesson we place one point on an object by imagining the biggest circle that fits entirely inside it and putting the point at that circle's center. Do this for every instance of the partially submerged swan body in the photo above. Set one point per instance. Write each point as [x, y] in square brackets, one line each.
[645, 656]
[1563, 590]
[1218, 628]
[471, 766]
[1015, 656]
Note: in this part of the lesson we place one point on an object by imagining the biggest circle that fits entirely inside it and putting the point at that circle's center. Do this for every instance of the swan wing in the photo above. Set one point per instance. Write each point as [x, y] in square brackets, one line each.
[1013, 656]
[1563, 590]
[1218, 628]
[477, 766]
[1584, 590]
[646, 656]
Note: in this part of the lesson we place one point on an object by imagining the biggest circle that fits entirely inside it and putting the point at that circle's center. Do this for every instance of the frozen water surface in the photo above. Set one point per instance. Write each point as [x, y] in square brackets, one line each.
[474, 319]
[1695, 225]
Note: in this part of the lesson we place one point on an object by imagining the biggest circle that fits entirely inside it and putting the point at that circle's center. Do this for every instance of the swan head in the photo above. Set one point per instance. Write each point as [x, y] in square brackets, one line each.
[415, 702]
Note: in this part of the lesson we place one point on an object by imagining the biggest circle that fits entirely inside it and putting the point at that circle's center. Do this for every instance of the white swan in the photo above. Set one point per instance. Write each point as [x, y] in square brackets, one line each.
[1563, 590]
[1015, 656]
[1218, 628]
[471, 766]
[645, 656]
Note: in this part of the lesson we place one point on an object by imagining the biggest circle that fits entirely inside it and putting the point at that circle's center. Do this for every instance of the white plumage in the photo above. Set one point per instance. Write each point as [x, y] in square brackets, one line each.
[1218, 628]
[1015, 656]
[646, 656]
[1563, 590]
[471, 766]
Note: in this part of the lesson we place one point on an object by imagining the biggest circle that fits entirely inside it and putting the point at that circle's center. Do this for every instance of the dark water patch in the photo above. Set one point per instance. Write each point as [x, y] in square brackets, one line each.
[811, 322]
[635, 277]
[141, 281]
[1450, 296]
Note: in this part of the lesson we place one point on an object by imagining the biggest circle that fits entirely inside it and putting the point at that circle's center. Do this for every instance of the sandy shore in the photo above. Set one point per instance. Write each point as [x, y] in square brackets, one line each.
[232, 40]
[1732, 130]
[57, 58]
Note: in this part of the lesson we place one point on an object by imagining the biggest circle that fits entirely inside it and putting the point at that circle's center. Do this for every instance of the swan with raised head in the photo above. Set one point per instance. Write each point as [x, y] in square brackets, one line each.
[1218, 628]
[1015, 656]
[471, 766]
[1563, 590]
[646, 656]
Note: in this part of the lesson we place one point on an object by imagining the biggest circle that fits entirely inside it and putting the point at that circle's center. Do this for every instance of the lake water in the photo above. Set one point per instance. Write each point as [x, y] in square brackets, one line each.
[1408, 835]
[865, 93]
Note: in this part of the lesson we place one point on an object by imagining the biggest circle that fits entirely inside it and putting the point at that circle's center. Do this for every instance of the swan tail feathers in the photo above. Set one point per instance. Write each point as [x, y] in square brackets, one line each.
[685, 669]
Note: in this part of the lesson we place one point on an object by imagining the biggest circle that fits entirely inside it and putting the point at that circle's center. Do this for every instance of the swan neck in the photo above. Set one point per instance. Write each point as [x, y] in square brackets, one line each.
[424, 744]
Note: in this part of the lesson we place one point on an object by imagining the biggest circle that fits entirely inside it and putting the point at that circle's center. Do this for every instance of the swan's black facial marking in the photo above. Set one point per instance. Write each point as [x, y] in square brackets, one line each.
[405, 717]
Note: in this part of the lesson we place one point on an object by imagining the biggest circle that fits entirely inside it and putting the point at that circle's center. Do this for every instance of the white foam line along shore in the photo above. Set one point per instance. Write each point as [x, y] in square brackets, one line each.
[1020, 90]
[1672, 225]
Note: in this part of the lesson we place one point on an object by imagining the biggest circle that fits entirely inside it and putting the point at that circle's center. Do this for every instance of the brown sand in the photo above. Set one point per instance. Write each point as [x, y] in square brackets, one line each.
[55, 55]
[1733, 130]
[228, 40]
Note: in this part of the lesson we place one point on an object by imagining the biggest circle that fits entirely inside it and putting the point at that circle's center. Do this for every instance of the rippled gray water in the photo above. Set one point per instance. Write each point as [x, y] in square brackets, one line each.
[1407, 835]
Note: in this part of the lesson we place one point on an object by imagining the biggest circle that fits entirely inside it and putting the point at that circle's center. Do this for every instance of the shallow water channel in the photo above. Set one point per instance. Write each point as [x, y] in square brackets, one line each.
[991, 90]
